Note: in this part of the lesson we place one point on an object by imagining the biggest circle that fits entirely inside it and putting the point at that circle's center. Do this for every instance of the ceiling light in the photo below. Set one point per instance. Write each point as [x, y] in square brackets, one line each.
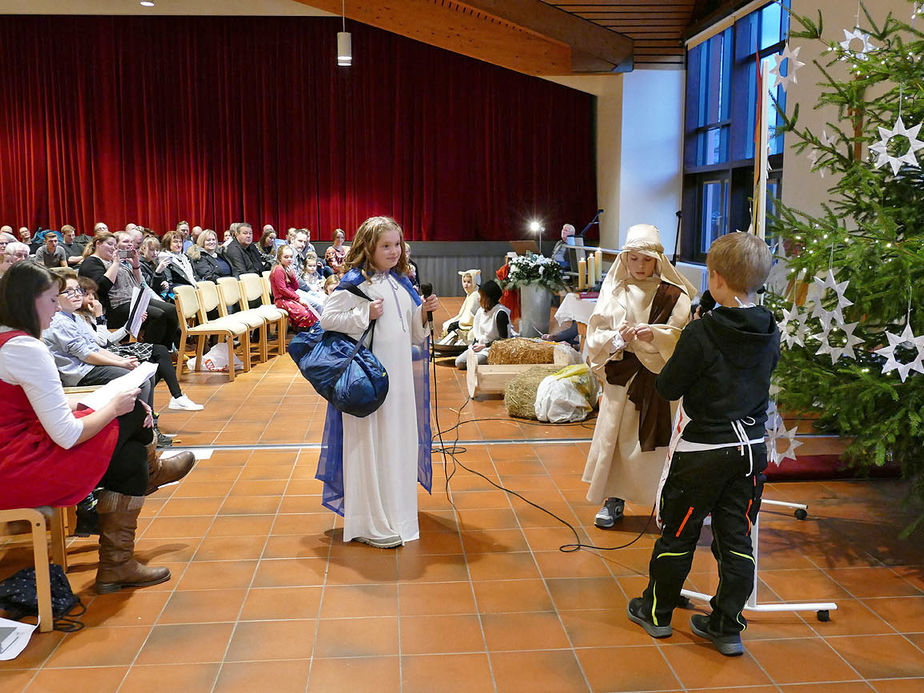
[147, 3]
[344, 41]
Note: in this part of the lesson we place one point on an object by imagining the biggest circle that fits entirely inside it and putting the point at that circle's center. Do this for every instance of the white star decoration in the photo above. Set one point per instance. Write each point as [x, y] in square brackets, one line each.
[835, 351]
[792, 66]
[905, 338]
[815, 154]
[881, 147]
[836, 313]
[777, 431]
[860, 36]
[792, 317]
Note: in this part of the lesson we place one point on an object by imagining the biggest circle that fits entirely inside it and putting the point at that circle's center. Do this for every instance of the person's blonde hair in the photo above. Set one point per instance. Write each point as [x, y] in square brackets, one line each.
[362, 251]
[332, 280]
[204, 235]
[98, 237]
[742, 259]
[281, 249]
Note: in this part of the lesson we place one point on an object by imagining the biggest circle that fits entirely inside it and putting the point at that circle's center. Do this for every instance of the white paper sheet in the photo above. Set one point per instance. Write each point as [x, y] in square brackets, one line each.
[20, 640]
[138, 306]
[129, 381]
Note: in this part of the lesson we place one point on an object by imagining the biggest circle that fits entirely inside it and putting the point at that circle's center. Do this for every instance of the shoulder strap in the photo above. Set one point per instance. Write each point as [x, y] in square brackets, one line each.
[663, 303]
[353, 289]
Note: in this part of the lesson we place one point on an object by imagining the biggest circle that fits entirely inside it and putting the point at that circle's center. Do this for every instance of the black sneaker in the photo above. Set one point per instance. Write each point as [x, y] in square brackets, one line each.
[163, 441]
[636, 613]
[612, 510]
[728, 645]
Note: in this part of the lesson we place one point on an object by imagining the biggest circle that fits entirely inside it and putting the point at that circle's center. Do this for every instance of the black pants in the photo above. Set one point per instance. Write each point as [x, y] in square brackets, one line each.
[727, 484]
[165, 369]
[128, 467]
[161, 327]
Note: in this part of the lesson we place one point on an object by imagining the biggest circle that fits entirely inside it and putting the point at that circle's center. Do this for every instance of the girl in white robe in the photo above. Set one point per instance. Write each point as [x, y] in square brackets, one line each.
[381, 456]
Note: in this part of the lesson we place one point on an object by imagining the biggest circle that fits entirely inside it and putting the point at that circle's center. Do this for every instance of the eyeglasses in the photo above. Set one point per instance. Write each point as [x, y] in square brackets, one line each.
[73, 293]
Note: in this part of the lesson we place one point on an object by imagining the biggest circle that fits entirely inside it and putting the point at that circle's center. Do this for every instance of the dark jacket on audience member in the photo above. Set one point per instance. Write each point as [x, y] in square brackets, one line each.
[244, 260]
[209, 269]
[151, 278]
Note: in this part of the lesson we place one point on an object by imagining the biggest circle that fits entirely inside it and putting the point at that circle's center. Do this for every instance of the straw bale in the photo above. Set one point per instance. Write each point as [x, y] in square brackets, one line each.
[520, 395]
[520, 350]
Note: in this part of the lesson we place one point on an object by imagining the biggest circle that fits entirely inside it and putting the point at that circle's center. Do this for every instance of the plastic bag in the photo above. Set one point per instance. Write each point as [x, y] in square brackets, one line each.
[568, 395]
[216, 359]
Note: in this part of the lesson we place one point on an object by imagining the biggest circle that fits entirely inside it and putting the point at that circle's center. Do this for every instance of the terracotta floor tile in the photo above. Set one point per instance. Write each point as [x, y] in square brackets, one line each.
[208, 575]
[378, 674]
[493, 540]
[496, 518]
[586, 593]
[435, 544]
[247, 677]
[295, 546]
[281, 603]
[906, 614]
[502, 566]
[241, 525]
[501, 596]
[357, 637]
[262, 640]
[799, 660]
[852, 617]
[289, 572]
[701, 666]
[303, 524]
[203, 489]
[379, 567]
[435, 598]
[446, 673]
[301, 503]
[555, 564]
[230, 548]
[203, 606]
[17, 679]
[96, 679]
[436, 568]
[441, 634]
[898, 685]
[177, 527]
[550, 671]
[602, 628]
[177, 507]
[249, 505]
[539, 630]
[99, 647]
[803, 585]
[186, 644]
[880, 656]
[125, 608]
[346, 601]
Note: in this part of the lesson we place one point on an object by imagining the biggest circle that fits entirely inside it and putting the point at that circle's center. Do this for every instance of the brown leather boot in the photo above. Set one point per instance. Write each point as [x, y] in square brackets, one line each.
[164, 469]
[117, 565]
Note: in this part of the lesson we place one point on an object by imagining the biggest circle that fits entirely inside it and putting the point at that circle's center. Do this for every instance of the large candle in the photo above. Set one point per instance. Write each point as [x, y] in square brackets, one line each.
[598, 263]
[591, 271]
[582, 273]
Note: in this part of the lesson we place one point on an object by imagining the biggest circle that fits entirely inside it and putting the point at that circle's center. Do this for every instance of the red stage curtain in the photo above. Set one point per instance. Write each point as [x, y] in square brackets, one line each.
[221, 119]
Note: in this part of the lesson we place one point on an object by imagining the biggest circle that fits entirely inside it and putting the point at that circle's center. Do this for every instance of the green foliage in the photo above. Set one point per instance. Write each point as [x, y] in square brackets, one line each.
[535, 269]
[871, 232]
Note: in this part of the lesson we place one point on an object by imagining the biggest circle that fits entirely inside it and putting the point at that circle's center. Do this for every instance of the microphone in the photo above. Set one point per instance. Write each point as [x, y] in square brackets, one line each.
[427, 290]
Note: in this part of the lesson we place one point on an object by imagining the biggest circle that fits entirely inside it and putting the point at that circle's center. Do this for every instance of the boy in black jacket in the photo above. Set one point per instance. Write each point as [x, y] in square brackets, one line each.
[721, 367]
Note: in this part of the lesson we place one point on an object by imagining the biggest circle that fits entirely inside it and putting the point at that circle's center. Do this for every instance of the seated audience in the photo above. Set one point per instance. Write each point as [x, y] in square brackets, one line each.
[242, 253]
[208, 264]
[50, 253]
[178, 269]
[50, 456]
[116, 272]
[560, 251]
[267, 246]
[491, 322]
[152, 268]
[284, 285]
[17, 251]
[336, 253]
[73, 248]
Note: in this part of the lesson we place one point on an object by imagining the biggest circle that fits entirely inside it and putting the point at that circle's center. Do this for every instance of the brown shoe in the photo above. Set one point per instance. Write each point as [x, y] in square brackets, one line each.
[117, 565]
[164, 469]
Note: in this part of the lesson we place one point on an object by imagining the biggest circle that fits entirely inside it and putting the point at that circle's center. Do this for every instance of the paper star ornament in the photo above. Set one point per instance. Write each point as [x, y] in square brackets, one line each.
[776, 433]
[906, 338]
[882, 146]
[836, 313]
[861, 36]
[792, 66]
[792, 329]
[835, 351]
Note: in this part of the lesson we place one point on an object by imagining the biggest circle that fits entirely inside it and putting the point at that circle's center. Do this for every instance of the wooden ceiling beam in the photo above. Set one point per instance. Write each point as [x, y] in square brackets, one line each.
[528, 36]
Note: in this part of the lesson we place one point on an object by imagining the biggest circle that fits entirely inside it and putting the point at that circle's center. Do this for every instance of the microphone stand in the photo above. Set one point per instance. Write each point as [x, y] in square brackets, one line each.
[593, 221]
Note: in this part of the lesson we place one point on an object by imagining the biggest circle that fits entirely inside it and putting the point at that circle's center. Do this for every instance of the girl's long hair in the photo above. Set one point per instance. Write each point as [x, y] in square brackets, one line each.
[362, 251]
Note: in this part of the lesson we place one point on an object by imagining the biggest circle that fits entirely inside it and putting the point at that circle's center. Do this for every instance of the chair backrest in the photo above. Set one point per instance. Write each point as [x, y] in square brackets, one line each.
[267, 288]
[187, 302]
[229, 289]
[252, 287]
[209, 299]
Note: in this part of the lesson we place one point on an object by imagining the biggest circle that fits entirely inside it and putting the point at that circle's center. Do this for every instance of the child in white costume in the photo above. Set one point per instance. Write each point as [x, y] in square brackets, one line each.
[456, 329]
[491, 322]
[643, 305]
[371, 465]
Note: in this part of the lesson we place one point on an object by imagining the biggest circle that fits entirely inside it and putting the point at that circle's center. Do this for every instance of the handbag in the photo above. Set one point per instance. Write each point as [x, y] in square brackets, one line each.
[19, 597]
[341, 369]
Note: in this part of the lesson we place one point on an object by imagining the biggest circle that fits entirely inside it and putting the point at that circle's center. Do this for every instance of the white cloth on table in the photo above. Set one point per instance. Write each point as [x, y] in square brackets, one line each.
[380, 450]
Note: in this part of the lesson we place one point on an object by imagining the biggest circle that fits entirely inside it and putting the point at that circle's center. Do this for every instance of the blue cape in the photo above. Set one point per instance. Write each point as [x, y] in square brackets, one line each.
[330, 462]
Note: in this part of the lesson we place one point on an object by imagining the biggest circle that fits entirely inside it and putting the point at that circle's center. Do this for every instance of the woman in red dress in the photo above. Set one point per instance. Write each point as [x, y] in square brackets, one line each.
[52, 455]
[284, 284]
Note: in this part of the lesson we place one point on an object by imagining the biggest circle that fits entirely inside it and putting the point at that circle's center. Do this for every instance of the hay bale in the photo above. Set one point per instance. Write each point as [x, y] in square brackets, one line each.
[520, 395]
[520, 350]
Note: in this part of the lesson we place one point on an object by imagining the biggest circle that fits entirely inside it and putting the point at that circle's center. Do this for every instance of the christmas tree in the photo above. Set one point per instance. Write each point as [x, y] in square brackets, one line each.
[853, 334]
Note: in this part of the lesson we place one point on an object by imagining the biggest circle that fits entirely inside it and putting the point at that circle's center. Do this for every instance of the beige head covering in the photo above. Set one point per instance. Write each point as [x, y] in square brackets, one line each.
[475, 273]
[646, 240]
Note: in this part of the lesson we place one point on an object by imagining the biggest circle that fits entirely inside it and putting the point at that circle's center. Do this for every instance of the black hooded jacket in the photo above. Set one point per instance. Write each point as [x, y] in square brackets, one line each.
[721, 367]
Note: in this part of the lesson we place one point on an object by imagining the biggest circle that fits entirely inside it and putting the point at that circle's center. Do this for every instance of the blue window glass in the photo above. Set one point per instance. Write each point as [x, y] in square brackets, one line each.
[713, 203]
[771, 25]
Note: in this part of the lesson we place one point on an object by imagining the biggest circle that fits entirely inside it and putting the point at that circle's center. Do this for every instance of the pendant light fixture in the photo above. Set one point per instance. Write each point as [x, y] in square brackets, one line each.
[344, 41]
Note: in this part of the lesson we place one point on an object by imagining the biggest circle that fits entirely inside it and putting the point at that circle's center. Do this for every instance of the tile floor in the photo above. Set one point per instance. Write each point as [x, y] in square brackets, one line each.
[265, 595]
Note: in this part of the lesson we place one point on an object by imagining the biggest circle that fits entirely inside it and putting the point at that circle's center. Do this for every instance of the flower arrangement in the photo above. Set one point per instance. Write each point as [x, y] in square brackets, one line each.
[535, 269]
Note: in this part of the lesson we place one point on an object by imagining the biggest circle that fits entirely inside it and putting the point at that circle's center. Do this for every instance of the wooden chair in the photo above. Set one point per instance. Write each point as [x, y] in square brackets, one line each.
[253, 288]
[37, 521]
[229, 291]
[189, 310]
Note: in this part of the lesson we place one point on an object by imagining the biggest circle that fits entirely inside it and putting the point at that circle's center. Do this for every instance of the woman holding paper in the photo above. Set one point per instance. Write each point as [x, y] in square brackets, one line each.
[51, 454]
